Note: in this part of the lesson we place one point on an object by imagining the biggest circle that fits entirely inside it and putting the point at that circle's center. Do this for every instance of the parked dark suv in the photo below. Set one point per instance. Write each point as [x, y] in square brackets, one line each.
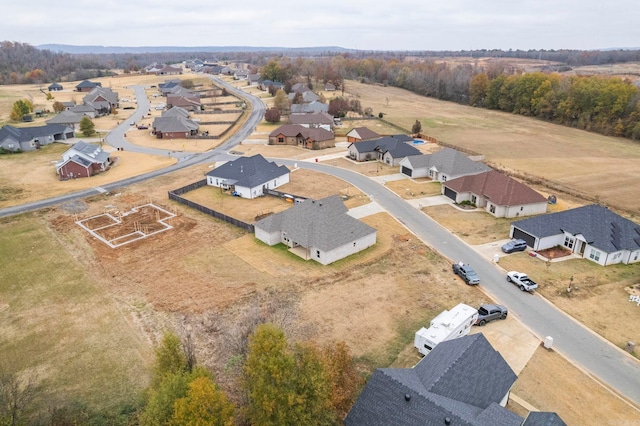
[488, 312]
[514, 245]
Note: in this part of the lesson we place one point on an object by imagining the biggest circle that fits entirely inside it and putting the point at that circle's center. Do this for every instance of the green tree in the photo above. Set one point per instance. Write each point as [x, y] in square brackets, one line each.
[87, 127]
[170, 357]
[281, 101]
[416, 128]
[204, 404]
[21, 108]
[478, 89]
[272, 71]
[285, 387]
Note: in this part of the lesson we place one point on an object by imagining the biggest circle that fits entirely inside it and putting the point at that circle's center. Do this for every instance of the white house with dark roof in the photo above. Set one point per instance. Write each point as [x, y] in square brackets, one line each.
[442, 166]
[358, 134]
[499, 194]
[317, 229]
[461, 382]
[248, 177]
[593, 232]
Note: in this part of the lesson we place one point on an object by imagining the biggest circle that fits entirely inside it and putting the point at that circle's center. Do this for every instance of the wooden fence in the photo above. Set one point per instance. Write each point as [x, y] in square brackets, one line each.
[175, 196]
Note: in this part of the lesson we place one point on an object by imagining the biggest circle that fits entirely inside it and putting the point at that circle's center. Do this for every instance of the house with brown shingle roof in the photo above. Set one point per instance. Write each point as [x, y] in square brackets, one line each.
[297, 135]
[358, 134]
[499, 194]
[316, 119]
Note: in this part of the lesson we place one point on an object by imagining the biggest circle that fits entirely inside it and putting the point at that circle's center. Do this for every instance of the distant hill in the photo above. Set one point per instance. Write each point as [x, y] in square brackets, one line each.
[67, 48]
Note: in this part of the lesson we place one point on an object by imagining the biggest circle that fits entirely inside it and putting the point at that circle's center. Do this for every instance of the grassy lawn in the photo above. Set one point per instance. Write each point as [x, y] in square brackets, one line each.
[474, 227]
[60, 328]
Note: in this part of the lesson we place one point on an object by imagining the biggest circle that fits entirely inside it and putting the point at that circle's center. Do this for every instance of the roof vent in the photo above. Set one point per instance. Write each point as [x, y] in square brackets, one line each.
[447, 421]
[407, 397]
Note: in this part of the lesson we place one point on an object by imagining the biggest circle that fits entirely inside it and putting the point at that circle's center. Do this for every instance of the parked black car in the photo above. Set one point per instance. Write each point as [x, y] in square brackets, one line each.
[489, 312]
[514, 245]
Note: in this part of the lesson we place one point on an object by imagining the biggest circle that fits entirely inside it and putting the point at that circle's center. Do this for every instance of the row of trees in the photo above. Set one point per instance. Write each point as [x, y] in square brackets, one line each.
[283, 384]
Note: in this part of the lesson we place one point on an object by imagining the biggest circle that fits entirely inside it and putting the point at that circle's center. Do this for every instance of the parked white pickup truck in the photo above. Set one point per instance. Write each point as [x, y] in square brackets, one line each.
[522, 280]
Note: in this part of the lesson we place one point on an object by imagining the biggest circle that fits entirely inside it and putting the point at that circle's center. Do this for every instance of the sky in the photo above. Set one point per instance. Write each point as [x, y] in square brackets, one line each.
[354, 24]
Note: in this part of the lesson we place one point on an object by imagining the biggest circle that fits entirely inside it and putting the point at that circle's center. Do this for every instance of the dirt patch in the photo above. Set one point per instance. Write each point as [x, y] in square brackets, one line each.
[554, 253]
[550, 383]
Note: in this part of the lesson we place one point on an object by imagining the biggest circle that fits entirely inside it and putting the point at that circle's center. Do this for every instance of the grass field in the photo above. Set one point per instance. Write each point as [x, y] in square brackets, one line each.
[60, 327]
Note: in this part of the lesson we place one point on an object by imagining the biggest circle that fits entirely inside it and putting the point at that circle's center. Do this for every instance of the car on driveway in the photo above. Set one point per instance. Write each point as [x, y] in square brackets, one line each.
[467, 273]
[489, 312]
[514, 245]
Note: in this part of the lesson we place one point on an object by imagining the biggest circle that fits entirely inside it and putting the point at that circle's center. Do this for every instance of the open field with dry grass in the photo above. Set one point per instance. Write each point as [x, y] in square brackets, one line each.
[576, 161]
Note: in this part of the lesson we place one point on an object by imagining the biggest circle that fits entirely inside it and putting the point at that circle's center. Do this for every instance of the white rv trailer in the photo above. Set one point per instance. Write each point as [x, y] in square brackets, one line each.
[447, 325]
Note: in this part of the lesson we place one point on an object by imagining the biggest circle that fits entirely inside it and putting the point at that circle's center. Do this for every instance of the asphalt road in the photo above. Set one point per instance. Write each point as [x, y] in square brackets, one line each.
[606, 362]
[609, 364]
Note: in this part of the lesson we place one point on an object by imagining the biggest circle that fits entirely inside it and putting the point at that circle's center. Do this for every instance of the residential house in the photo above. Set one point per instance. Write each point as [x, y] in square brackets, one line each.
[389, 149]
[247, 177]
[168, 70]
[442, 166]
[174, 125]
[190, 102]
[499, 194]
[55, 87]
[317, 229]
[87, 86]
[31, 138]
[72, 119]
[358, 134]
[240, 74]
[87, 110]
[300, 88]
[307, 96]
[462, 381]
[297, 135]
[102, 100]
[83, 160]
[167, 86]
[253, 78]
[265, 84]
[309, 108]
[593, 232]
[315, 120]
[329, 87]
[68, 104]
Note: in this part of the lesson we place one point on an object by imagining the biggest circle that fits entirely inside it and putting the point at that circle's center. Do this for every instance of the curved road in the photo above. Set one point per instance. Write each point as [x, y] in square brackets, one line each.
[606, 362]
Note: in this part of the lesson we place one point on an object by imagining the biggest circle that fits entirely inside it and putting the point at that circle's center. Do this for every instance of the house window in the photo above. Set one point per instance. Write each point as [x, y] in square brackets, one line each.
[474, 199]
[492, 208]
[318, 254]
[444, 178]
[354, 243]
[430, 173]
[594, 254]
[521, 208]
[280, 139]
[568, 242]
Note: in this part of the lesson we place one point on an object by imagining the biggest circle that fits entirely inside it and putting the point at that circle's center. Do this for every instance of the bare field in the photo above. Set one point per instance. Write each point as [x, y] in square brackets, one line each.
[566, 157]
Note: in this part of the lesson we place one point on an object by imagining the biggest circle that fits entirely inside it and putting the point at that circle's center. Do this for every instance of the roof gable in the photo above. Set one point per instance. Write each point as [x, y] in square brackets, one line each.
[323, 224]
[601, 227]
[499, 188]
[448, 161]
[464, 381]
[248, 172]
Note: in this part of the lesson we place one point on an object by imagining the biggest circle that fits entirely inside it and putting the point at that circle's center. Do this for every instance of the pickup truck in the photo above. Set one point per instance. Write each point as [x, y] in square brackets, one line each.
[522, 280]
[489, 312]
[467, 273]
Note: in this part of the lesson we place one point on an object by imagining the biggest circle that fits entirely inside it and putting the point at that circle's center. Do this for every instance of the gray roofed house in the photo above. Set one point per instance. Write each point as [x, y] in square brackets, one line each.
[55, 87]
[248, 177]
[541, 418]
[83, 160]
[463, 380]
[67, 117]
[307, 96]
[86, 109]
[31, 138]
[593, 232]
[174, 127]
[317, 229]
[442, 166]
[176, 112]
[308, 108]
[316, 119]
[390, 150]
[86, 85]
